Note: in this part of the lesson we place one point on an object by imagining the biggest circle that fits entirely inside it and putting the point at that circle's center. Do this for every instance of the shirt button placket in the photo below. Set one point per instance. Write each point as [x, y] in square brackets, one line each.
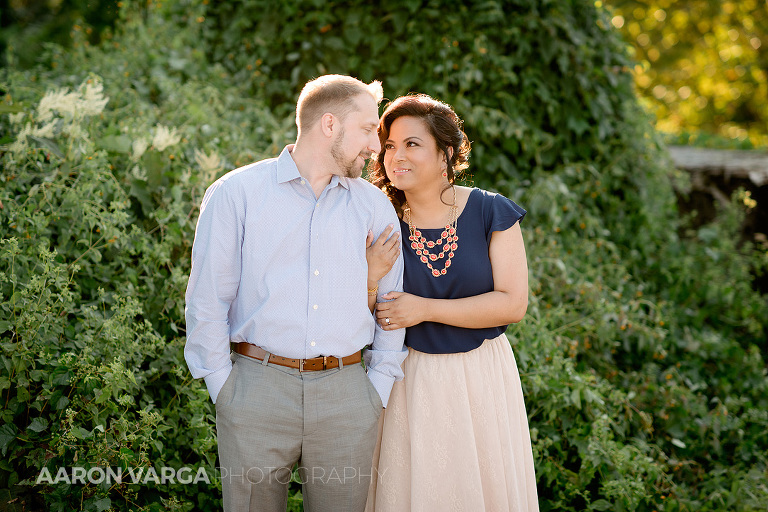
[315, 291]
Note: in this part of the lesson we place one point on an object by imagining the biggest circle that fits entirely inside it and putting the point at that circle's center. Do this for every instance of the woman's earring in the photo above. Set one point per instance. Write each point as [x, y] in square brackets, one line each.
[445, 174]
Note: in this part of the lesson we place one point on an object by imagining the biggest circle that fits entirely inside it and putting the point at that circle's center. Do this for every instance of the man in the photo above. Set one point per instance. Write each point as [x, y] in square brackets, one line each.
[279, 270]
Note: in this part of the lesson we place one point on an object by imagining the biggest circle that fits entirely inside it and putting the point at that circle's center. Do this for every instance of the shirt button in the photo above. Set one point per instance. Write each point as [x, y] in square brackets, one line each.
[313, 343]
[303, 182]
[314, 307]
[317, 272]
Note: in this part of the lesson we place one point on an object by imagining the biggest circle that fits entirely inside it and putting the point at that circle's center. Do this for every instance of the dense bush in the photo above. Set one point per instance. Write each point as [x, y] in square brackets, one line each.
[640, 357]
[28, 26]
[538, 83]
[101, 178]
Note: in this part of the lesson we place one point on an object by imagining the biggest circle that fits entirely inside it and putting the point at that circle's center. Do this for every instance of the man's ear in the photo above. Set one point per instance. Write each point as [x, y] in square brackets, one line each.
[328, 124]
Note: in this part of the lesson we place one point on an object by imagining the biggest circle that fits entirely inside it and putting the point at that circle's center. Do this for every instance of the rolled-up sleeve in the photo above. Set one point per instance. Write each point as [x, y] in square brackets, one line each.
[387, 353]
[213, 285]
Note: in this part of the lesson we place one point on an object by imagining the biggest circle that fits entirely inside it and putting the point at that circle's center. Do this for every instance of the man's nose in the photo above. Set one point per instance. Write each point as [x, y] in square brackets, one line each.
[374, 144]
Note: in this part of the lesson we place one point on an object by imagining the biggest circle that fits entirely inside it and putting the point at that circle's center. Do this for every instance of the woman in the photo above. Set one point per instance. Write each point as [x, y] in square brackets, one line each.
[455, 433]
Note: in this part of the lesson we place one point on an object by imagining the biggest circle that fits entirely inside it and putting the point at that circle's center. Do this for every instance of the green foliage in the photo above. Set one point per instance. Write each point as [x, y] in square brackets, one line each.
[701, 65]
[538, 83]
[670, 363]
[97, 212]
[640, 358]
[95, 382]
[28, 26]
[706, 140]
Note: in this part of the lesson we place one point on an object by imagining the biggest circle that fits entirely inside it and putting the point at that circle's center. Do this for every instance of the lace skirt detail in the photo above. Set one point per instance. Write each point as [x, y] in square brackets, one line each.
[454, 436]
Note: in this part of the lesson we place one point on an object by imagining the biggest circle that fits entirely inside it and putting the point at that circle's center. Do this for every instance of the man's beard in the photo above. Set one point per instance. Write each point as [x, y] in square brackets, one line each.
[348, 168]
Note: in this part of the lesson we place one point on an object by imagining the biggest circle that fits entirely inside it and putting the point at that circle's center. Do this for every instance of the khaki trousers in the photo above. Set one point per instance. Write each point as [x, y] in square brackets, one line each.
[269, 417]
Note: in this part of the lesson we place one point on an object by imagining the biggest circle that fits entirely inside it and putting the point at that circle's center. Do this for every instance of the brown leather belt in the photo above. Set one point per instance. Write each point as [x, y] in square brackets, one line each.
[304, 365]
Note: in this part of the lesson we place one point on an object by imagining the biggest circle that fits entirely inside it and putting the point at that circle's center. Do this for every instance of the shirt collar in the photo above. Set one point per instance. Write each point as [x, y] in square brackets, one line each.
[286, 167]
[287, 170]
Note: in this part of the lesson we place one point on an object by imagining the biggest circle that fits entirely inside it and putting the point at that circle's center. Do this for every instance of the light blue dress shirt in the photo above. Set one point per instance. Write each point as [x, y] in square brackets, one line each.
[274, 266]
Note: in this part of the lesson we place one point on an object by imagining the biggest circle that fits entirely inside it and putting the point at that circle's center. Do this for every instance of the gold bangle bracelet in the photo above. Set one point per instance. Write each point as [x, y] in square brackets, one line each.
[373, 291]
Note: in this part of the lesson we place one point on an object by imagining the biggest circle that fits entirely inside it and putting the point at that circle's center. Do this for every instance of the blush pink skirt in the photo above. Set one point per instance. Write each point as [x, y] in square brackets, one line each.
[454, 436]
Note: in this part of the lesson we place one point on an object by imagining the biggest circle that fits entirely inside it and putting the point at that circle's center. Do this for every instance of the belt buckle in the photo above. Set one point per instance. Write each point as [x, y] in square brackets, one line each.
[325, 362]
[301, 365]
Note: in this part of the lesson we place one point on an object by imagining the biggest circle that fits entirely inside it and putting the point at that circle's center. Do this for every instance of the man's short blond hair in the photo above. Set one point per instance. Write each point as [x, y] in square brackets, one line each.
[334, 94]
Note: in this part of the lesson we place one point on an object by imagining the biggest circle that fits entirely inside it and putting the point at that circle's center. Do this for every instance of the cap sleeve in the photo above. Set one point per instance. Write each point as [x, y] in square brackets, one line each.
[501, 214]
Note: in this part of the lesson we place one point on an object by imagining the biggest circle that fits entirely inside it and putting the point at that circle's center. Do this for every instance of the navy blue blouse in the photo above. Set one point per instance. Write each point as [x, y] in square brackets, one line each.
[469, 274]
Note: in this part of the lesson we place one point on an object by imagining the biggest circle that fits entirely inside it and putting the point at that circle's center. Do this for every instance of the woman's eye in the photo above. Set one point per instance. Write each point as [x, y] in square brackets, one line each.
[388, 146]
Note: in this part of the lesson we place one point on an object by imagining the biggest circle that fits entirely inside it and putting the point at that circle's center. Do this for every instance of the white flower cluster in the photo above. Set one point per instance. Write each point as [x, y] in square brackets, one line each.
[61, 111]
[138, 148]
[165, 137]
[88, 100]
[209, 164]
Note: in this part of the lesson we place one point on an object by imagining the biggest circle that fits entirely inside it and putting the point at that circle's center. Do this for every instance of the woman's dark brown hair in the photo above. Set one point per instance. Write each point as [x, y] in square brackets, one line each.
[443, 124]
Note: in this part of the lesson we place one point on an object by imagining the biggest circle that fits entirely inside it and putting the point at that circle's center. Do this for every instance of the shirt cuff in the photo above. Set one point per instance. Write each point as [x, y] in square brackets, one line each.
[215, 381]
[382, 383]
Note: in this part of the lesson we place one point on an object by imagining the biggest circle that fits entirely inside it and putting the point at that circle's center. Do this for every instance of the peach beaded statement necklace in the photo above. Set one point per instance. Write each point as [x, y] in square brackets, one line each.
[446, 244]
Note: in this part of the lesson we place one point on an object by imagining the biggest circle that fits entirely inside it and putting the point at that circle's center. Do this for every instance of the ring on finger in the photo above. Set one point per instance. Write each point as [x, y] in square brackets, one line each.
[387, 320]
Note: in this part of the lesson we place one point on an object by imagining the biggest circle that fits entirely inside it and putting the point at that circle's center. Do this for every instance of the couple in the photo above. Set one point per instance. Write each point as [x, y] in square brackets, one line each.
[276, 316]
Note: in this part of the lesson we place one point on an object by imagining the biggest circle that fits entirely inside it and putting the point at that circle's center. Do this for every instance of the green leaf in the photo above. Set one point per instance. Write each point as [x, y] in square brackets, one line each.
[139, 191]
[101, 504]
[154, 163]
[102, 395]
[38, 425]
[61, 403]
[42, 142]
[10, 109]
[115, 143]
[600, 505]
[576, 398]
[22, 394]
[81, 433]
[62, 379]
[7, 435]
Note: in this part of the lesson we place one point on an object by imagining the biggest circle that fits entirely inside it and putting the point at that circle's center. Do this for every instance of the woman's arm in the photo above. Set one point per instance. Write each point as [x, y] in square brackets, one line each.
[381, 255]
[506, 304]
